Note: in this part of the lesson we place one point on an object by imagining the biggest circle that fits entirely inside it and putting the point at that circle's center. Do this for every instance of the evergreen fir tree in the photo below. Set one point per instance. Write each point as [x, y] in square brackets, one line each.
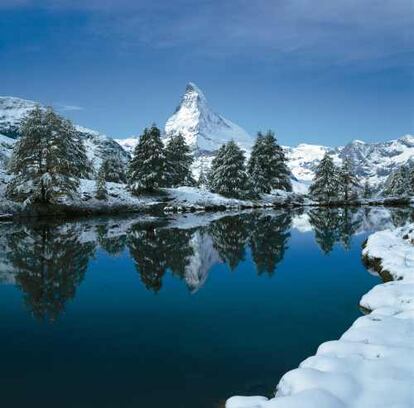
[215, 165]
[367, 190]
[411, 178]
[114, 170]
[47, 160]
[101, 191]
[146, 168]
[348, 179]
[256, 170]
[326, 184]
[267, 166]
[228, 175]
[202, 181]
[178, 163]
[398, 183]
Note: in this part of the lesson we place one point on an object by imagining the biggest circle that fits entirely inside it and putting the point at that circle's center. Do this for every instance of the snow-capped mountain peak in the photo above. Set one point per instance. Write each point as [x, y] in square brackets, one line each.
[203, 129]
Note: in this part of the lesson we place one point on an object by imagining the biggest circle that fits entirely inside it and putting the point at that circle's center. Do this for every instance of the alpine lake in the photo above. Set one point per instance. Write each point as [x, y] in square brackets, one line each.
[181, 311]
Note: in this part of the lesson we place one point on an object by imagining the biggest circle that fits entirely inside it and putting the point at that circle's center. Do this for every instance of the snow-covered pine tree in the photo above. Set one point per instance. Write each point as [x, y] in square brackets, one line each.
[267, 166]
[398, 183]
[228, 173]
[146, 168]
[348, 179]
[178, 161]
[202, 181]
[367, 190]
[326, 184]
[411, 178]
[101, 191]
[48, 159]
[256, 170]
[215, 164]
[114, 170]
[281, 176]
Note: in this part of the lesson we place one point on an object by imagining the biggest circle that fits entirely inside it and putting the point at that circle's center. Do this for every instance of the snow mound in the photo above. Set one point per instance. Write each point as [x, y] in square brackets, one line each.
[371, 365]
[193, 198]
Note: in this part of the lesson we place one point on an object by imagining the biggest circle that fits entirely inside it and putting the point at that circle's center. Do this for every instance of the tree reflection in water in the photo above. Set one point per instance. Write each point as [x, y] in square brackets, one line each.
[338, 225]
[156, 249]
[49, 262]
[268, 239]
[230, 236]
[113, 244]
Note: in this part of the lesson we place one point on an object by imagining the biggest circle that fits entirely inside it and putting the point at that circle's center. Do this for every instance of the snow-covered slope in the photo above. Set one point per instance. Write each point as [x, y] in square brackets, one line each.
[203, 129]
[13, 110]
[128, 144]
[304, 158]
[6, 147]
[376, 161]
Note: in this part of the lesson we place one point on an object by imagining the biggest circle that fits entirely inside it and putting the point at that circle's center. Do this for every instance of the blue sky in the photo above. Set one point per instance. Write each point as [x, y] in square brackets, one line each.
[314, 71]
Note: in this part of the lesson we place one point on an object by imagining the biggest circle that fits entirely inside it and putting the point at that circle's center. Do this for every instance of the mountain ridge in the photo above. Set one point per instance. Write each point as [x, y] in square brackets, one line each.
[13, 110]
[205, 130]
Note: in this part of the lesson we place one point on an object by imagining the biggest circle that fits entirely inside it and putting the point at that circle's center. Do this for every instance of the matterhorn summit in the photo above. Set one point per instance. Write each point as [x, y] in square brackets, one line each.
[203, 129]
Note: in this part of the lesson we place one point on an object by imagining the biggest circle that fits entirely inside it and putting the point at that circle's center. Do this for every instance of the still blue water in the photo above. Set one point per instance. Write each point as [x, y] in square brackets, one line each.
[179, 313]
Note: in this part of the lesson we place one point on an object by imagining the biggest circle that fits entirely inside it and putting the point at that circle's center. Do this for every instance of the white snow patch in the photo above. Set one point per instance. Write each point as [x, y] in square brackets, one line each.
[199, 199]
[129, 143]
[371, 365]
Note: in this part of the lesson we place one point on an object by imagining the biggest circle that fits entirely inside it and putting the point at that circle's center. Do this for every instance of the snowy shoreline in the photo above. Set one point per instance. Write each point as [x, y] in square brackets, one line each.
[371, 365]
[170, 200]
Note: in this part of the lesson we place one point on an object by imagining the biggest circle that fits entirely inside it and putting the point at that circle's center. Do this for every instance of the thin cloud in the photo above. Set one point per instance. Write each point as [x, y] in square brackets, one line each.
[69, 108]
[307, 31]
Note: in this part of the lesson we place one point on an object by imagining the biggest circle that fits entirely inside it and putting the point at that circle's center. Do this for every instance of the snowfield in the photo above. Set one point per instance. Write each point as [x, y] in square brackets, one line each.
[372, 364]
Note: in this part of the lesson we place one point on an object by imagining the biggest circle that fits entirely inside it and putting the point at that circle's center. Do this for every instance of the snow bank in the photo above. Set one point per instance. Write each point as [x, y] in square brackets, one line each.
[119, 199]
[371, 365]
[185, 198]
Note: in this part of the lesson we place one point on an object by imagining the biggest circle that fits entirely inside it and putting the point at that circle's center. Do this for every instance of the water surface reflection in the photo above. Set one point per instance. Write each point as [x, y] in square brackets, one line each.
[181, 311]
